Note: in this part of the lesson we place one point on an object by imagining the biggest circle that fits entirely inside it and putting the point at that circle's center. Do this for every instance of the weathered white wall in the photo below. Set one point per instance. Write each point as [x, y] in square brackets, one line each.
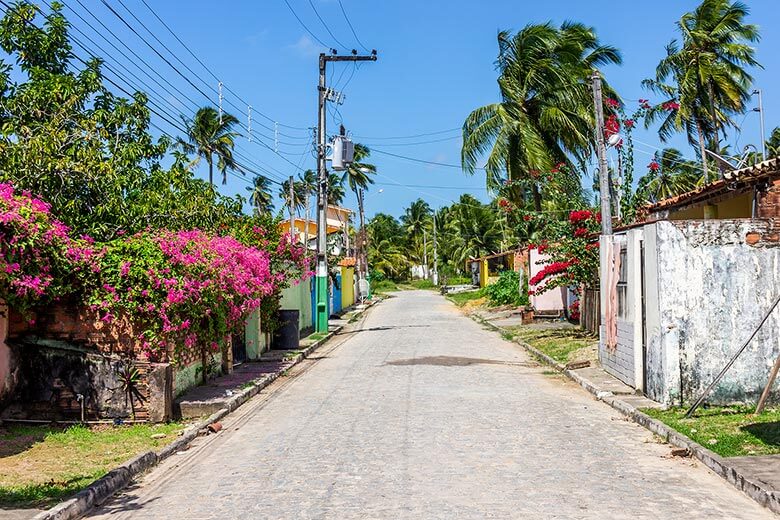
[707, 289]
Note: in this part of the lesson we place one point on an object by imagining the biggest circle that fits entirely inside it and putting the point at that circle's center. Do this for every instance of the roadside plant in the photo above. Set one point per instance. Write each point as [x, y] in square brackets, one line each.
[507, 290]
[38, 258]
[573, 252]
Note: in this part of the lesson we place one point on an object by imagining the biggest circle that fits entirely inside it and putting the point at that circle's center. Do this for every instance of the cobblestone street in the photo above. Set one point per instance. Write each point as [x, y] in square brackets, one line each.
[420, 413]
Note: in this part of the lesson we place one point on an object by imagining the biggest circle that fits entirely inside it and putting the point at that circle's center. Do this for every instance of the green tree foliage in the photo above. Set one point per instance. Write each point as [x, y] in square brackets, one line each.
[90, 154]
[210, 135]
[545, 115]
[670, 174]
[260, 195]
[507, 290]
[705, 74]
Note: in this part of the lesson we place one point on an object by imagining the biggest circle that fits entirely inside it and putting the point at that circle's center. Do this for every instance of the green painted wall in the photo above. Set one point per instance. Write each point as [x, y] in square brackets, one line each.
[255, 339]
[299, 297]
[185, 378]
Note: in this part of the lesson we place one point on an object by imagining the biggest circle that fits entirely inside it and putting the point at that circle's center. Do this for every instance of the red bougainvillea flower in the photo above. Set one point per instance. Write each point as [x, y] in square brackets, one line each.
[580, 232]
[612, 103]
[671, 105]
[643, 103]
[575, 217]
[630, 123]
[654, 166]
[527, 217]
[612, 126]
[551, 269]
[503, 203]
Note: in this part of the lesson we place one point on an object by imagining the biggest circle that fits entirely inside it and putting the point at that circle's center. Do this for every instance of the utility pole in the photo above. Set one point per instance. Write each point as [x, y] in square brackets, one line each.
[601, 148]
[362, 238]
[321, 287]
[425, 253]
[435, 256]
[292, 210]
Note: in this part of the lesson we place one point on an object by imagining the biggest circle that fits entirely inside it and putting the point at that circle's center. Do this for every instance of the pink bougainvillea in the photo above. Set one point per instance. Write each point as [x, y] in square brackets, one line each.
[38, 259]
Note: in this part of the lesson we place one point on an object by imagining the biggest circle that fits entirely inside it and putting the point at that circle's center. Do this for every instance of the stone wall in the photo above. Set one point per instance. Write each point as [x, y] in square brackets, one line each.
[709, 284]
[63, 351]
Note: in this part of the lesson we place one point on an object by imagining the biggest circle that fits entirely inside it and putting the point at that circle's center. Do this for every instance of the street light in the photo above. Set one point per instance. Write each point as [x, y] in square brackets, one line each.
[760, 111]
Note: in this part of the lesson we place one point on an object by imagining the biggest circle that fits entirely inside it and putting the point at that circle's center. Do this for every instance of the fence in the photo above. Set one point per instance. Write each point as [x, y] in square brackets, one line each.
[590, 311]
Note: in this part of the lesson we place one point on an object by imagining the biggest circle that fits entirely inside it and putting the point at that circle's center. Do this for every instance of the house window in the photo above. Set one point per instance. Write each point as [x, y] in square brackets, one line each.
[622, 285]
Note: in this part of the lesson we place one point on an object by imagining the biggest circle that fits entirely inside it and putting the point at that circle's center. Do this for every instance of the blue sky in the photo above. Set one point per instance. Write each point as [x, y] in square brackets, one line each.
[435, 65]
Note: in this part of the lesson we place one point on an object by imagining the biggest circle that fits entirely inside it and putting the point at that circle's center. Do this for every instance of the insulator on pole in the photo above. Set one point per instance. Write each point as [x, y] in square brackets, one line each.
[219, 85]
[249, 122]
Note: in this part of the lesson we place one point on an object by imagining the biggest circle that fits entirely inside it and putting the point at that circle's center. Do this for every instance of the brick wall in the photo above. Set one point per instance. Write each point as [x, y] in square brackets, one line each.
[769, 201]
[78, 325]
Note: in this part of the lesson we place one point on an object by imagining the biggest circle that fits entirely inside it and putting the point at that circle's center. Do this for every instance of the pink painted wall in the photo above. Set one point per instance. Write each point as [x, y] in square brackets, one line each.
[552, 300]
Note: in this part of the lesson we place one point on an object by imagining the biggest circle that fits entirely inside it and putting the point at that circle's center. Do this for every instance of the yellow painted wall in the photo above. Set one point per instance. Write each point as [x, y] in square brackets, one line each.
[483, 273]
[347, 287]
[740, 206]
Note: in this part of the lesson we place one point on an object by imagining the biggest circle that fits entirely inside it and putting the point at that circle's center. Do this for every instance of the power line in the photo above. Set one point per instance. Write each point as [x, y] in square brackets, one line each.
[304, 25]
[423, 161]
[432, 186]
[171, 65]
[411, 136]
[326, 25]
[351, 28]
[420, 142]
[205, 67]
[122, 89]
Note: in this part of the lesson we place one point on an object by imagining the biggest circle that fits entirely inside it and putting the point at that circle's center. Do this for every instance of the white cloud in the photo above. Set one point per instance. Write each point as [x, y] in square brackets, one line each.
[306, 47]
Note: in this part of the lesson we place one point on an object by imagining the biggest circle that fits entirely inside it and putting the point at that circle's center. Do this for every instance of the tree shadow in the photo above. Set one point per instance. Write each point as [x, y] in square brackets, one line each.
[767, 432]
[18, 438]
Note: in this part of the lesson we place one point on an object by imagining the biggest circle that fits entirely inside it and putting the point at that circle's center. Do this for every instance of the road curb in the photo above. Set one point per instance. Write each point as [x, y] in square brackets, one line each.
[755, 489]
[119, 477]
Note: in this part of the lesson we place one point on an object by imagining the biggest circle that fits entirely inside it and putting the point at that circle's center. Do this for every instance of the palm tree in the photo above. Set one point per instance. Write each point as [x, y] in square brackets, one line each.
[773, 144]
[708, 69]
[336, 191]
[308, 184]
[297, 195]
[545, 115]
[208, 136]
[671, 174]
[358, 175]
[260, 196]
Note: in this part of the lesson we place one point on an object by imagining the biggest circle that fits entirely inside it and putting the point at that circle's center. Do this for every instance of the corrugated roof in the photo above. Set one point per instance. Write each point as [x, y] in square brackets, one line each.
[745, 177]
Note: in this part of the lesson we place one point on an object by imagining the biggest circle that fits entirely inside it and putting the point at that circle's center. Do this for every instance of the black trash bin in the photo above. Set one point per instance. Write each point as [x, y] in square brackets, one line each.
[287, 336]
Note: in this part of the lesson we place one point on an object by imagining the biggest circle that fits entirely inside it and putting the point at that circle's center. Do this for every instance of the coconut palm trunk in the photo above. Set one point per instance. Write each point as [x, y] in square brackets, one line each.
[702, 149]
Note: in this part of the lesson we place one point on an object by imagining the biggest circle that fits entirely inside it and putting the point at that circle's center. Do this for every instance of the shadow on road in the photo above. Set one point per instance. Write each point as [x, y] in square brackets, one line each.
[451, 361]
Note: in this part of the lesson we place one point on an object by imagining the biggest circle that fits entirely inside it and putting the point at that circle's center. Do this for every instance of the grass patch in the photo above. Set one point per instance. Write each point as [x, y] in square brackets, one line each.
[734, 430]
[559, 344]
[419, 284]
[462, 298]
[384, 286]
[40, 465]
[316, 336]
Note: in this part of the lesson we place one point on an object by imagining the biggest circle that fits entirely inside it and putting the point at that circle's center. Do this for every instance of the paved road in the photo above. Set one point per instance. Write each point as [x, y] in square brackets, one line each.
[423, 414]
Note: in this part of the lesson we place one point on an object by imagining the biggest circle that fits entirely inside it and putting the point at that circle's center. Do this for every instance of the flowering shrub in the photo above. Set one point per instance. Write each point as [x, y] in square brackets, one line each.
[188, 289]
[507, 290]
[573, 252]
[574, 311]
[37, 256]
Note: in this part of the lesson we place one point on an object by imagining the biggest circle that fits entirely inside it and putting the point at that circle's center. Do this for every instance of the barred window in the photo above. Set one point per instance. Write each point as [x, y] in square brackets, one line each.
[622, 285]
